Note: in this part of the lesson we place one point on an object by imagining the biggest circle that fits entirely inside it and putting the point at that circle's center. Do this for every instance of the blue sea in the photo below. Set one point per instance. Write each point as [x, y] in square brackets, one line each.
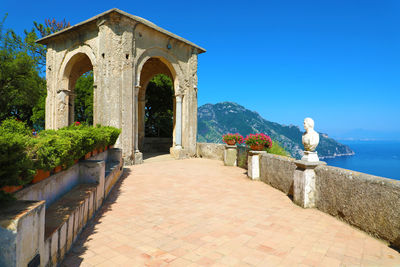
[381, 158]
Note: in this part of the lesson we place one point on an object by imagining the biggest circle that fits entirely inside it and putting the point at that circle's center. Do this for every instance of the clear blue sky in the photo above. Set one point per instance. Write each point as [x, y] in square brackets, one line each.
[335, 61]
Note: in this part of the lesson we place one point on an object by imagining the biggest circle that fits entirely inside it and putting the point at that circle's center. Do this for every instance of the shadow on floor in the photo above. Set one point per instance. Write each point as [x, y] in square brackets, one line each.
[72, 258]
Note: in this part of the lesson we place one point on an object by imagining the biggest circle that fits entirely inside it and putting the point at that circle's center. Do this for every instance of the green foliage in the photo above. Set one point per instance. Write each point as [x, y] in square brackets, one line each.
[277, 149]
[84, 98]
[159, 107]
[22, 62]
[21, 86]
[16, 166]
[21, 153]
[14, 126]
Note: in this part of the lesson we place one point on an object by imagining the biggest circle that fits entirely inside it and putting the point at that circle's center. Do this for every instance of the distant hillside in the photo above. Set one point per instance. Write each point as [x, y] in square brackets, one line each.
[228, 117]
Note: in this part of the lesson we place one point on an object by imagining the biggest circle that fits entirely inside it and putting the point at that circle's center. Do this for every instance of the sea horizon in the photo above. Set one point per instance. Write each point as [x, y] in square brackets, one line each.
[375, 157]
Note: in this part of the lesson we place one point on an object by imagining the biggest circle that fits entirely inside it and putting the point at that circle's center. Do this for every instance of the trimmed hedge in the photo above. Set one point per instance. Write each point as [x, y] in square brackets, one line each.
[21, 154]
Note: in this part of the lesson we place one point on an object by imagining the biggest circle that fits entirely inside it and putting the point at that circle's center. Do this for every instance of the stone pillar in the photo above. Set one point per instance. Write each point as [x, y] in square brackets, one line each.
[253, 164]
[230, 155]
[22, 233]
[62, 109]
[178, 124]
[304, 183]
[138, 156]
[177, 151]
[93, 171]
[71, 108]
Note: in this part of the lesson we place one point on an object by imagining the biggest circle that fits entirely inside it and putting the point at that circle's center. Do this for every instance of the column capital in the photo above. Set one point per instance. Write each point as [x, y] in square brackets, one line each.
[178, 97]
[137, 89]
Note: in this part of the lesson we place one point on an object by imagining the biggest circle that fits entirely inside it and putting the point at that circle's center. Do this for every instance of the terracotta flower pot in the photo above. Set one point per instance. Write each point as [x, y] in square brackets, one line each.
[257, 147]
[76, 161]
[100, 150]
[11, 188]
[88, 155]
[105, 148]
[94, 152]
[231, 142]
[40, 175]
[57, 169]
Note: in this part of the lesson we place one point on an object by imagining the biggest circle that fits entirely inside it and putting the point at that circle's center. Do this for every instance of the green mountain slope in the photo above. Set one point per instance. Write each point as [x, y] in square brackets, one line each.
[228, 117]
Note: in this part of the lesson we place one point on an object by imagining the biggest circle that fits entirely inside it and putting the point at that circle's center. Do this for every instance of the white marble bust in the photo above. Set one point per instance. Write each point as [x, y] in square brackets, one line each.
[310, 137]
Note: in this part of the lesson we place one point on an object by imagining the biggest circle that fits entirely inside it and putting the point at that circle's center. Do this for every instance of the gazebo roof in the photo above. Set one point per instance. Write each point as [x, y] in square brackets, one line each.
[47, 39]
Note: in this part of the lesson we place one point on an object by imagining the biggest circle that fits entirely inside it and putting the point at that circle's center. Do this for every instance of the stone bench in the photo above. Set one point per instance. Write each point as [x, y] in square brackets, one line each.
[64, 220]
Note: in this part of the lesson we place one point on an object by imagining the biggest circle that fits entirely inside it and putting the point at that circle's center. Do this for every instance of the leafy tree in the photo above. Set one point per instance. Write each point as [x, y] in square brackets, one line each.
[20, 83]
[84, 98]
[22, 61]
[159, 107]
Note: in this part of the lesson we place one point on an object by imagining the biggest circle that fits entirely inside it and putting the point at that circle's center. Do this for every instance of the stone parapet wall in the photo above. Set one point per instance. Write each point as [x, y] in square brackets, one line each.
[278, 171]
[210, 151]
[368, 202]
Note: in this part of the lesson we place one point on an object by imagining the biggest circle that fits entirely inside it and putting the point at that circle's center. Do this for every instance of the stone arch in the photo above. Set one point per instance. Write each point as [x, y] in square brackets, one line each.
[150, 63]
[74, 64]
[168, 59]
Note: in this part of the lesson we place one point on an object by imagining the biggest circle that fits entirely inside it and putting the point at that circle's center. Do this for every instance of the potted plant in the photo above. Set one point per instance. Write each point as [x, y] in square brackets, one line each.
[258, 141]
[232, 139]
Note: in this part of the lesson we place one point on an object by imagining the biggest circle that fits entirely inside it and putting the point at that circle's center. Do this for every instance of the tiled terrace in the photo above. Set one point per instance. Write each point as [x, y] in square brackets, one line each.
[197, 212]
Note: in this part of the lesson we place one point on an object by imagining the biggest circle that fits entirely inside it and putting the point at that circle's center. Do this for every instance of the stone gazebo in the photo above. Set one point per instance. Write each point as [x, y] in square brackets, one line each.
[125, 52]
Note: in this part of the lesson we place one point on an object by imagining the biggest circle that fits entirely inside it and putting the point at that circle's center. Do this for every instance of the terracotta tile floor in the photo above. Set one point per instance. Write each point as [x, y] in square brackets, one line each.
[197, 212]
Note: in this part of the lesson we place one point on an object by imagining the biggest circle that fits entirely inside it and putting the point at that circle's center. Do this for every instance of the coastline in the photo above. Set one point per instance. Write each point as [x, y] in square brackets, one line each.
[337, 155]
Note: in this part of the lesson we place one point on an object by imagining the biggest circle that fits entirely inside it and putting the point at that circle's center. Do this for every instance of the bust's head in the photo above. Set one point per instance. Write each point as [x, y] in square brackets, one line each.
[308, 124]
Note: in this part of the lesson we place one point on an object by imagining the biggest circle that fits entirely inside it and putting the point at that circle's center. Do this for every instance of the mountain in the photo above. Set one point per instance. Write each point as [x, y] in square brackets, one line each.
[228, 117]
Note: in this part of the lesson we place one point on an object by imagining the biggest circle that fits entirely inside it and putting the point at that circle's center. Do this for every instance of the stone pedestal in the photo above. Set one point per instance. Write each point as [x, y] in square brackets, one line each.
[177, 152]
[230, 155]
[304, 183]
[22, 233]
[310, 156]
[253, 164]
[138, 158]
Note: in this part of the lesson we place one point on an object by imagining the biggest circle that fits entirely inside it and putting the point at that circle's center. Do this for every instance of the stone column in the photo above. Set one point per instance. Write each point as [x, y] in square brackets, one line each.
[253, 164]
[138, 156]
[178, 125]
[71, 108]
[141, 128]
[230, 155]
[177, 151]
[304, 183]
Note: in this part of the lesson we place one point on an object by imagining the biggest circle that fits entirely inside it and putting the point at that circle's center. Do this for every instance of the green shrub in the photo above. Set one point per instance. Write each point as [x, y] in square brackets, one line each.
[277, 149]
[16, 164]
[21, 153]
[12, 125]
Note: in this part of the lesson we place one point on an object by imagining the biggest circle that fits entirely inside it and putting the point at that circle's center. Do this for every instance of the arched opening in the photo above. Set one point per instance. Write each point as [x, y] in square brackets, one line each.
[79, 78]
[156, 107]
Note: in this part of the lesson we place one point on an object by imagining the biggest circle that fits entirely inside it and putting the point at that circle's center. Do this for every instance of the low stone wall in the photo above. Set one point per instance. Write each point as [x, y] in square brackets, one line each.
[210, 151]
[52, 188]
[369, 202]
[278, 171]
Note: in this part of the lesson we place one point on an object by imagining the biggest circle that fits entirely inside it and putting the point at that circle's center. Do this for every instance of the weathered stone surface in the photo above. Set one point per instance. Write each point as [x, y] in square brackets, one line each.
[278, 172]
[369, 202]
[21, 232]
[210, 151]
[304, 183]
[253, 164]
[230, 155]
[124, 52]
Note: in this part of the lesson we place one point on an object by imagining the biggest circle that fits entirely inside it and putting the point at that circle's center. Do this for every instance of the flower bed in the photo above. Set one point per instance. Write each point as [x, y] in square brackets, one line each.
[22, 154]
